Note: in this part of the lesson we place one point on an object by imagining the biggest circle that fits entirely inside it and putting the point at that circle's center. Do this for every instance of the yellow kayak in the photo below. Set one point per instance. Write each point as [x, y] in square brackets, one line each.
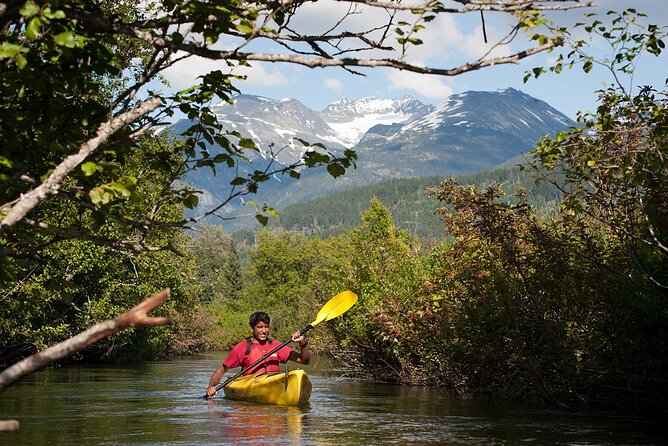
[290, 389]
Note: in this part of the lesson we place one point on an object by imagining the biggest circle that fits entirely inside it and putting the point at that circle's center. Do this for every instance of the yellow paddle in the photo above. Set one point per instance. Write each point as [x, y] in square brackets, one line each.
[335, 307]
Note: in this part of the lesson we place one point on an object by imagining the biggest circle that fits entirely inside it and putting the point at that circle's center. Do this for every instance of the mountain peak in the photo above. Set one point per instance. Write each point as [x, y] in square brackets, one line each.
[344, 108]
[507, 108]
[351, 119]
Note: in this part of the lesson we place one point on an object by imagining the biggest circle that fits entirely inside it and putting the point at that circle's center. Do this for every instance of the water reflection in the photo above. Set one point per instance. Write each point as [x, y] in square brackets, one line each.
[250, 423]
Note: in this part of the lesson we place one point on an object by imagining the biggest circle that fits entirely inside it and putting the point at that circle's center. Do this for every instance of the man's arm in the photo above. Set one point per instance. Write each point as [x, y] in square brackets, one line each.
[215, 379]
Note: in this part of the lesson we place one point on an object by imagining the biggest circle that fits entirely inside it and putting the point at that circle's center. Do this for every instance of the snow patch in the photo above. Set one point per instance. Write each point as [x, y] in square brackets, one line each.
[351, 132]
[537, 117]
[285, 133]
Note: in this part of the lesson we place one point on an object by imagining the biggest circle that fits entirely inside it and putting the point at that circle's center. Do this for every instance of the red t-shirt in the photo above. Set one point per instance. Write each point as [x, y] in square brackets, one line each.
[238, 357]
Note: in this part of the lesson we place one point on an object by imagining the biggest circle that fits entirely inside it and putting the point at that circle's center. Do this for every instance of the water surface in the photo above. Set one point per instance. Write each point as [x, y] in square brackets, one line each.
[161, 404]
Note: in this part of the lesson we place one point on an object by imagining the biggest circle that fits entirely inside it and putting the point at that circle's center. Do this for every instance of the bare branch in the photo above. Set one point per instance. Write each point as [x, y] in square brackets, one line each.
[478, 5]
[137, 316]
[392, 63]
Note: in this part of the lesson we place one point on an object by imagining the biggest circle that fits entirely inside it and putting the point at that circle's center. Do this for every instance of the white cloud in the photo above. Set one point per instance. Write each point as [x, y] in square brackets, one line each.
[432, 87]
[259, 75]
[184, 73]
[455, 40]
[441, 38]
[333, 84]
[474, 43]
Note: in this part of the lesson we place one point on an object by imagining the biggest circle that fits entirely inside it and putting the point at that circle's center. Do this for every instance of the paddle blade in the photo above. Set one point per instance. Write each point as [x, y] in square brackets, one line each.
[336, 306]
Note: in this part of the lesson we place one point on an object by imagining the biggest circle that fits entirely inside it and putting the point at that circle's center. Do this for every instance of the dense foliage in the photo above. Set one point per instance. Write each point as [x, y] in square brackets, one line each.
[91, 206]
[409, 201]
[69, 284]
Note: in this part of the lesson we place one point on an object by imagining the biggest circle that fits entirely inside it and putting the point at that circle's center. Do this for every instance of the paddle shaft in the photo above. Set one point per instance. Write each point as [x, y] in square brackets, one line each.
[254, 364]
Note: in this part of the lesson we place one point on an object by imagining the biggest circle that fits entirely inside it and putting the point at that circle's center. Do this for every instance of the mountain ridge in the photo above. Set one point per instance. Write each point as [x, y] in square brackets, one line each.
[469, 132]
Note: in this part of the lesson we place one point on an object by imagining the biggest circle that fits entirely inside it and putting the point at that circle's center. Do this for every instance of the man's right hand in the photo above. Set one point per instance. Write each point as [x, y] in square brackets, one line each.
[211, 391]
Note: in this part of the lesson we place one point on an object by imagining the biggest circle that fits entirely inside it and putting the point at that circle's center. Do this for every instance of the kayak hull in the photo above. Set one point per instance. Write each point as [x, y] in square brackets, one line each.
[271, 388]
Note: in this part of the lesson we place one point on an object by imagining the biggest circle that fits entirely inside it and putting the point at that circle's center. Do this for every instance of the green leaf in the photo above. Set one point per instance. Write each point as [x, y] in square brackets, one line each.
[90, 168]
[10, 50]
[262, 219]
[33, 28]
[99, 196]
[271, 211]
[220, 158]
[29, 9]
[245, 27]
[120, 189]
[335, 170]
[191, 201]
[246, 143]
[66, 39]
[21, 61]
[587, 66]
[57, 14]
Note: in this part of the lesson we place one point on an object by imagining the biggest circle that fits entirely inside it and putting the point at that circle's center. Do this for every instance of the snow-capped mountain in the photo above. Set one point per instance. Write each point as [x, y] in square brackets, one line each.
[507, 110]
[469, 132]
[276, 123]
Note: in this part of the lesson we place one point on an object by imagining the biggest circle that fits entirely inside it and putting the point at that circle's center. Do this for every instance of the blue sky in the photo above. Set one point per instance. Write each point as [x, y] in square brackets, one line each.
[451, 41]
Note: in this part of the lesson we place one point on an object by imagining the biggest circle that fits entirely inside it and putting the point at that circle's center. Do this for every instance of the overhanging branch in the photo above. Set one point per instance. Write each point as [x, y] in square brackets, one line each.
[137, 316]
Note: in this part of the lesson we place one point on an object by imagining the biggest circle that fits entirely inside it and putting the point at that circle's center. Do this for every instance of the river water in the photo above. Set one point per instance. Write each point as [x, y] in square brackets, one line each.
[161, 404]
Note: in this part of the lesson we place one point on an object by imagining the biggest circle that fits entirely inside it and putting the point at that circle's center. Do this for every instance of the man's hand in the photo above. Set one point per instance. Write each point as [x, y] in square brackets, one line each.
[211, 391]
[296, 337]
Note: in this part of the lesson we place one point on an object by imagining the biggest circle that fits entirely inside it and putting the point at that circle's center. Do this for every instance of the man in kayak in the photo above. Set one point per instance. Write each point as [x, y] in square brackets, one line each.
[255, 347]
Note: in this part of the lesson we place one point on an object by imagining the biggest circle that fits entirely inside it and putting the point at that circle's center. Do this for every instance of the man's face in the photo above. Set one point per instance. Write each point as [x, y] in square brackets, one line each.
[261, 331]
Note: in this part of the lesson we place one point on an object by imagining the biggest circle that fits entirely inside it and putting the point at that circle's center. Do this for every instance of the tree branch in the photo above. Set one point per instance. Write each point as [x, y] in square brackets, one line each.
[312, 62]
[145, 31]
[137, 316]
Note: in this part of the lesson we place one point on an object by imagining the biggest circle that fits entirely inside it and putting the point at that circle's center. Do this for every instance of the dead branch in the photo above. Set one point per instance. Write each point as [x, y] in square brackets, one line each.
[9, 425]
[137, 316]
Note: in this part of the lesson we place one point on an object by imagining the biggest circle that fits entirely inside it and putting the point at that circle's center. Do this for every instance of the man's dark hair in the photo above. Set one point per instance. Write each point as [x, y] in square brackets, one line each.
[259, 316]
